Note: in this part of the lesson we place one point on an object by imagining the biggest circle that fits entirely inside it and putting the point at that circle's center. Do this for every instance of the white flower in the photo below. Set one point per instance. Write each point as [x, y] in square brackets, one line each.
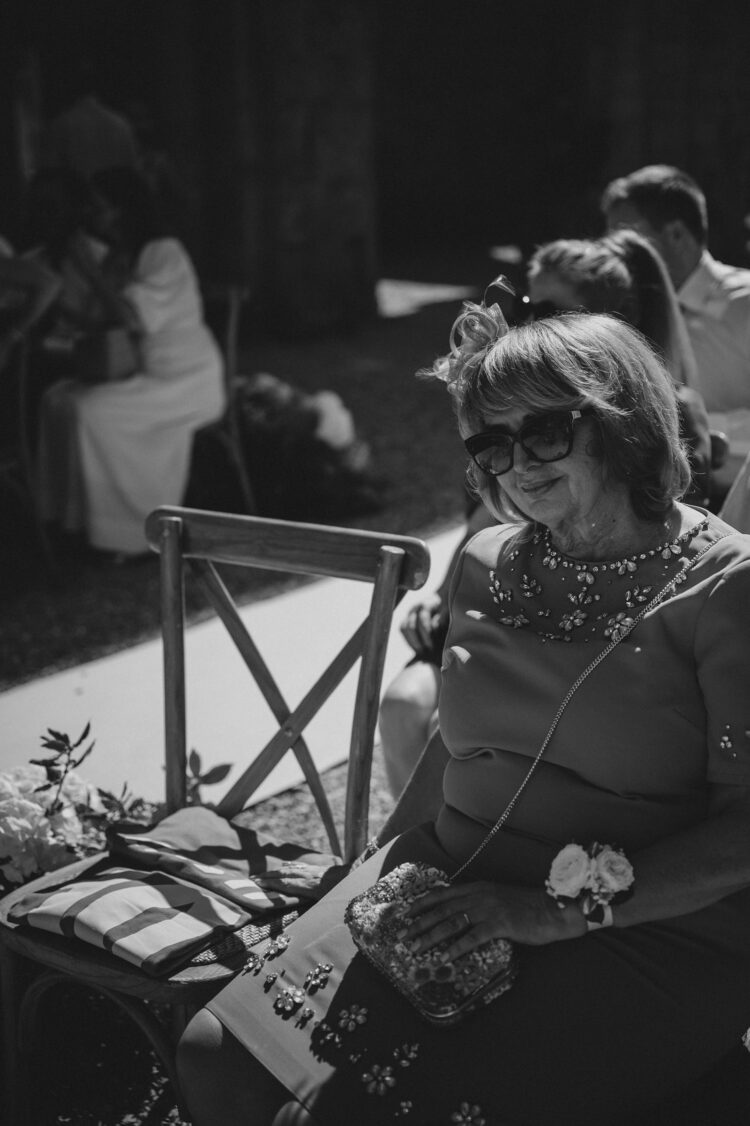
[571, 872]
[613, 872]
[66, 826]
[79, 792]
[27, 779]
[335, 424]
[26, 838]
[20, 821]
[8, 788]
[40, 830]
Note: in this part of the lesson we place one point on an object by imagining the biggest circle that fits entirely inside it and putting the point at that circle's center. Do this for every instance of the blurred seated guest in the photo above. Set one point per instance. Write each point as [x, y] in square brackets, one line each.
[623, 274]
[668, 207]
[736, 507]
[110, 451]
[58, 209]
[599, 580]
[408, 710]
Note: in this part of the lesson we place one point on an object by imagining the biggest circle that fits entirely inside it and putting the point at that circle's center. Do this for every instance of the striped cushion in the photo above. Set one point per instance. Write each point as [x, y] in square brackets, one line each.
[150, 919]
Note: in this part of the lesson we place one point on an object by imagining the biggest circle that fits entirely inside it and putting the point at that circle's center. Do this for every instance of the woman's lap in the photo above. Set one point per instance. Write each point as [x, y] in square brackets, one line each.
[592, 1026]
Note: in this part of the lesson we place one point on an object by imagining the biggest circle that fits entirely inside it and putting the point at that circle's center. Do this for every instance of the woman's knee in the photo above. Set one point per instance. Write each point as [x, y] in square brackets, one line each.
[200, 1047]
[221, 1083]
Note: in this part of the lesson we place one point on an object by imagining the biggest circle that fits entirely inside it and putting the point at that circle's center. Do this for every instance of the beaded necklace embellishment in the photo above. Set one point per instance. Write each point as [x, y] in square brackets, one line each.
[598, 587]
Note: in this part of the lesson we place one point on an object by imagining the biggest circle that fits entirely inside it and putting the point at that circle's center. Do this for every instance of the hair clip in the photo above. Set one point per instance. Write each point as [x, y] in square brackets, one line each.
[500, 282]
[475, 330]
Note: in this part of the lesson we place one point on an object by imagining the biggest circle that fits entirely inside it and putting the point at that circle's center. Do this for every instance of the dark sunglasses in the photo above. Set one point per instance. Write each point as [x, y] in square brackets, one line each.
[546, 437]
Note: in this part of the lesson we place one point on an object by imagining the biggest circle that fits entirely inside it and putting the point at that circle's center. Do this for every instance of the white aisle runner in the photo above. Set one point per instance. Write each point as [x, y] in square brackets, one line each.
[121, 695]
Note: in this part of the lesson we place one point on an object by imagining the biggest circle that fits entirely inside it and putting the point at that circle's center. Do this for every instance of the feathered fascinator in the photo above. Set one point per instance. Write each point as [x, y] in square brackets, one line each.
[474, 332]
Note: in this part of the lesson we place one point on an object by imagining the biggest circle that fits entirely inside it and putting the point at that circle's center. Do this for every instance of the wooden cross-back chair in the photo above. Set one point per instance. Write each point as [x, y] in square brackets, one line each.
[227, 431]
[196, 541]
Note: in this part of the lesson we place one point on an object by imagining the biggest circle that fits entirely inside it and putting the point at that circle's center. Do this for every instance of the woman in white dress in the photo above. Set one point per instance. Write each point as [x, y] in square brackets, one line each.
[110, 452]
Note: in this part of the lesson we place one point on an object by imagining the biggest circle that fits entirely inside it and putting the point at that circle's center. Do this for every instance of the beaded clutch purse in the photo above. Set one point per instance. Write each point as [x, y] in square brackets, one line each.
[442, 992]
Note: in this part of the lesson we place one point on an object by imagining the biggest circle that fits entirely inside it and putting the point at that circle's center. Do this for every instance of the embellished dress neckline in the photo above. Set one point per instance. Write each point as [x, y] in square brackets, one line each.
[565, 599]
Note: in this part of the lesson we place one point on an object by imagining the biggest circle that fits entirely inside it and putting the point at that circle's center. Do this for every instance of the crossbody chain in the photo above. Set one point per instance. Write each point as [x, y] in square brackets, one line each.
[625, 632]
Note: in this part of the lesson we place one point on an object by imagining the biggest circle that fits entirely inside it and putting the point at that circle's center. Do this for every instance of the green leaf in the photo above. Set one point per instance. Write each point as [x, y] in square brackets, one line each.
[194, 763]
[43, 761]
[55, 745]
[215, 774]
[83, 735]
[58, 735]
[85, 754]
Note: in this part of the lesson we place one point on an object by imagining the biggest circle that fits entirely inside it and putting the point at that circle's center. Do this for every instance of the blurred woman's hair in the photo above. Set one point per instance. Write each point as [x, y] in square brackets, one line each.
[623, 274]
[564, 363]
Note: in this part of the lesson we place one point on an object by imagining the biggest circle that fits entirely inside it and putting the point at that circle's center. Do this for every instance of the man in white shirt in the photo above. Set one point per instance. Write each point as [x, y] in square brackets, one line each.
[667, 206]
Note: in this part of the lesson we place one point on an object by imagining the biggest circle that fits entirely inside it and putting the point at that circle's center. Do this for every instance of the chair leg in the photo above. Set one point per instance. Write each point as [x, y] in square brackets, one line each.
[10, 968]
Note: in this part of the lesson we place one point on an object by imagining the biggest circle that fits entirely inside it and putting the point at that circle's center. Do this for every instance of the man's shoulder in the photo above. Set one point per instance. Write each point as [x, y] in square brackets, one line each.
[734, 281]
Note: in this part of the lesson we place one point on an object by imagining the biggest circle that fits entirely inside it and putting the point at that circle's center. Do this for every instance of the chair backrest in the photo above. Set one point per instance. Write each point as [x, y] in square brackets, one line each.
[195, 541]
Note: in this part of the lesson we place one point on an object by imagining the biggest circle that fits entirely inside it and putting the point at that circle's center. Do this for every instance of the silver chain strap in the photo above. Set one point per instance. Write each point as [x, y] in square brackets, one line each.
[623, 633]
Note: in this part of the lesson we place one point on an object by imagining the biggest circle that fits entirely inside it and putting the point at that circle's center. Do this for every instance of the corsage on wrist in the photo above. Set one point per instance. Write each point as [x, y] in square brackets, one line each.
[594, 877]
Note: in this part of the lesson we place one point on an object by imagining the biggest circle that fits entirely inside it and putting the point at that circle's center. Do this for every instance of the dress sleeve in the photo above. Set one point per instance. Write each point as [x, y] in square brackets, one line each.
[722, 647]
[163, 277]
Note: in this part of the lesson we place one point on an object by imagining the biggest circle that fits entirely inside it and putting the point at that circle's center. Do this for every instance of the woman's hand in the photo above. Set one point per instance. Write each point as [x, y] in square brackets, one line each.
[422, 621]
[308, 881]
[468, 915]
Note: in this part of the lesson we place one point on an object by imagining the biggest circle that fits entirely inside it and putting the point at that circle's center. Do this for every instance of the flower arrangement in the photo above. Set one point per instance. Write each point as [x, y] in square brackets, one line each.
[51, 816]
[305, 457]
[594, 877]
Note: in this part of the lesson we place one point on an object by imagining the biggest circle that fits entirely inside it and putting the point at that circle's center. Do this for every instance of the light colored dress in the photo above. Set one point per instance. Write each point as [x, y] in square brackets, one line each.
[597, 1027]
[110, 453]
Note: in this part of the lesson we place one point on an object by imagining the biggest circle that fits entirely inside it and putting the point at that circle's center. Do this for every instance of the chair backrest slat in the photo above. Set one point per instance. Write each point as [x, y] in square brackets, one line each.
[391, 563]
[305, 549]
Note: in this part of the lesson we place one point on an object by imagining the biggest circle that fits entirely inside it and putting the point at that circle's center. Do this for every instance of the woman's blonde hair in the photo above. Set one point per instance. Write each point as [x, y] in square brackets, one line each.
[621, 273]
[565, 363]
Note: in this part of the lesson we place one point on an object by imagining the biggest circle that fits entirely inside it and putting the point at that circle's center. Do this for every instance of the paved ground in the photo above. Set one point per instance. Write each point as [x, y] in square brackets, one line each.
[121, 695]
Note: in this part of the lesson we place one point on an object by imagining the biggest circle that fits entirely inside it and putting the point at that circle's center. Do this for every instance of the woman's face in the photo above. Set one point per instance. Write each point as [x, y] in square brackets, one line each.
[568, 494]
[104, 219]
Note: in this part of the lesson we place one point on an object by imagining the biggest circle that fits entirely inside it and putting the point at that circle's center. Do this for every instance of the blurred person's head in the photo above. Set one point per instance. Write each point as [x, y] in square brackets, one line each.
[575, 401]
[127, 214]
[667, 207]
[621, 274]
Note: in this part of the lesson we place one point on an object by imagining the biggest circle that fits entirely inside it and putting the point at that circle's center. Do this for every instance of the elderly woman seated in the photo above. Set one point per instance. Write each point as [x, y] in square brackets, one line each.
[620, 274]
[594, 690]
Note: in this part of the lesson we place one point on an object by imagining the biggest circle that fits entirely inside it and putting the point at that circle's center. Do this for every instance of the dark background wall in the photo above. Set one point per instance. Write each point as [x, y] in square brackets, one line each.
[312, 138]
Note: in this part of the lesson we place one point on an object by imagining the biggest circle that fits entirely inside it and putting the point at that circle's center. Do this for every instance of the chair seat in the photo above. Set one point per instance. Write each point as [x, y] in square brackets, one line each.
[198, 980]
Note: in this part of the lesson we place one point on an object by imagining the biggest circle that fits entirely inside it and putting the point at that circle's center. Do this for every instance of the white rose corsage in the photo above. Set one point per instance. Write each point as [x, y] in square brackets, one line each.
[595, 877]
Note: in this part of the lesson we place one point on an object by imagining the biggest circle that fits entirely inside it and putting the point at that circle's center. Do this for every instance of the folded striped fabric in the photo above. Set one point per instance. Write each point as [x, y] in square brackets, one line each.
[199, 846]
[150, 919]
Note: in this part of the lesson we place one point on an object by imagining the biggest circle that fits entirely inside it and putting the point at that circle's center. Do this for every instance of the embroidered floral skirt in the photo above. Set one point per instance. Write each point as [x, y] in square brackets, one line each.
[593, 1028]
